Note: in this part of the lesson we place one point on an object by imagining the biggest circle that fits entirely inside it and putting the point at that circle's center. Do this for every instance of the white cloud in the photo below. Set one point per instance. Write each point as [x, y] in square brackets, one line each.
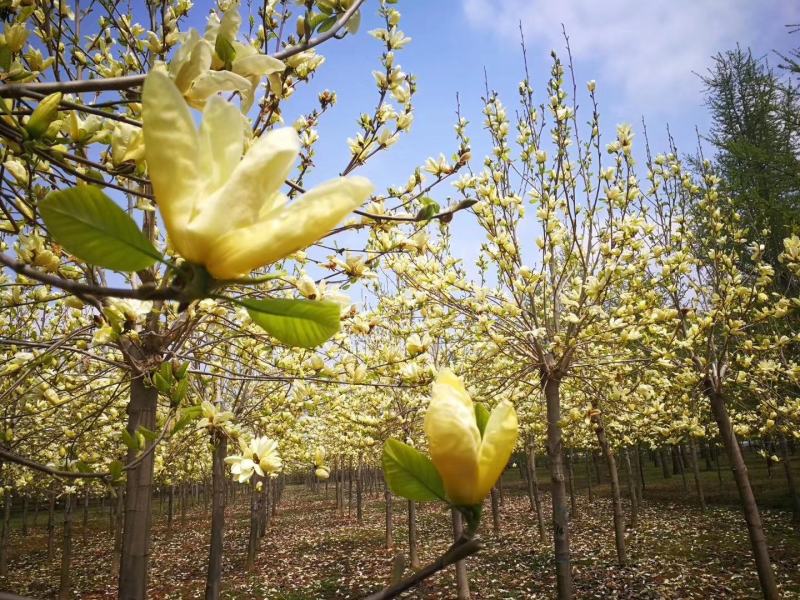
[647, 50]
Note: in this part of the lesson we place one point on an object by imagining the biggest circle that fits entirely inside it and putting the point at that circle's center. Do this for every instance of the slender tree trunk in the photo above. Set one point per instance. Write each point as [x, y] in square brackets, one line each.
[252, 540]
[4, 533]
[170, 507]
[138, 496]
[51, 524]
[462, 582]
[698, 484]
[24, 515]
[495, 513]
[786, 458]
[184, 498]
[611, 463]
[590, 489]
[634, 520]
[640, 466]
[350, 489]
[678, 453]
[758, 540]
[664, 464]
[218, 487]
[559, 496]
[85, 524]
[359, 492]
[119, 514]
[387, 496]
[341, 487]
[263, 508]
[412, 535]
[533, 490]
[66, 551]
[571, 484]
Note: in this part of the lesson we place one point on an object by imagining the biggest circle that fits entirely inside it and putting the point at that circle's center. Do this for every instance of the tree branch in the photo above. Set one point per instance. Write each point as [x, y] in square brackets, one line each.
[18, 90]
[458, 551]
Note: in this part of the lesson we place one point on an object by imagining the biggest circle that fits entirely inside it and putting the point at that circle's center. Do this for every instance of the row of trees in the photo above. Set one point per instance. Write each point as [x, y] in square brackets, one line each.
[631, 306]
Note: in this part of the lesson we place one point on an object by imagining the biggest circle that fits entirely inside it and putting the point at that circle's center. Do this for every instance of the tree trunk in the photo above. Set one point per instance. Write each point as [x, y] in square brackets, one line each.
[412, 535]
[350, 489]
[359, 492]
[559, 494]
[642, 483]
[263, 509]
[51, 524]
[462, 582]
[664, 464]
[170, 507]
[696, 473]
[66, 551]
[252, 539]
[590, 489]
[495, 513]
[218, 488]
[138, 495]
[752, 516]
[387, 496]
[533, 489]
[4, 533]
[85, 524]
[571, 484]
[678, 452]
[631, 489]
[611, 463]
[786, 458]
[118, 525]
[24, 515]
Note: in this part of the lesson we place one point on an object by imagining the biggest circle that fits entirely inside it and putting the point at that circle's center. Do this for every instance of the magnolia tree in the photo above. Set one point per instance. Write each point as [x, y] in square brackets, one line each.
[144, 229]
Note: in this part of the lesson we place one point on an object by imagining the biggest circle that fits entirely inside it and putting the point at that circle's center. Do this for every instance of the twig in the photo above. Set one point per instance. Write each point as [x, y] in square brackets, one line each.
[31, 464]
[458, 551]
[18, 90]
[141, 293]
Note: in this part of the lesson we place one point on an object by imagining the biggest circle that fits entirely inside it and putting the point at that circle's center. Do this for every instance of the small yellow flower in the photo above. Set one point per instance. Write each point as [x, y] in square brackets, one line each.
[468, 463]
[222, 210]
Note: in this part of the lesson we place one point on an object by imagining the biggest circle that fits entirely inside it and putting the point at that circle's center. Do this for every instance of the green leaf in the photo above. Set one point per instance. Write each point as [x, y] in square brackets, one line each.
[131, 442]
[224, 50]
[327, 23]
[115, 469]
[82, 467]
[5, 58]
[194, 411]
[481, 417]
[304, 323]
[148, 434]
[92, 227]
[411, 474]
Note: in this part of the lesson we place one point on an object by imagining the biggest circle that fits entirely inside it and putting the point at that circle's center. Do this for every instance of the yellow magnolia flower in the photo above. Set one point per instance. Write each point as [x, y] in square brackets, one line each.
[223, 211]
[200, 73]
[468, 463]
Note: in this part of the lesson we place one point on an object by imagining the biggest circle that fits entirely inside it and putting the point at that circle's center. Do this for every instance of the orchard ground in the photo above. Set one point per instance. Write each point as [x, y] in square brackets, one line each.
[310, 551]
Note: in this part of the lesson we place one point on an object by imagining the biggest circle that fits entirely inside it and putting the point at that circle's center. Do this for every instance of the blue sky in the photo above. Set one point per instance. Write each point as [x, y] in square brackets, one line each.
[643, 55]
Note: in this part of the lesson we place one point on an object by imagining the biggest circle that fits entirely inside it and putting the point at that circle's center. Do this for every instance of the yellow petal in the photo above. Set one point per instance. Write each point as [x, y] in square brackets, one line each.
[499, 439]
[221, 143]
[212, 82]
[286, 229]
[257, 64]
[453, 438]
[199, 62]
[171, 142]
[251, 189]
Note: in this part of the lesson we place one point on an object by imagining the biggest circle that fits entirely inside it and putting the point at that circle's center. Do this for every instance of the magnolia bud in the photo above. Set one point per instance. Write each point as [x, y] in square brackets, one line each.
[45, 113]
